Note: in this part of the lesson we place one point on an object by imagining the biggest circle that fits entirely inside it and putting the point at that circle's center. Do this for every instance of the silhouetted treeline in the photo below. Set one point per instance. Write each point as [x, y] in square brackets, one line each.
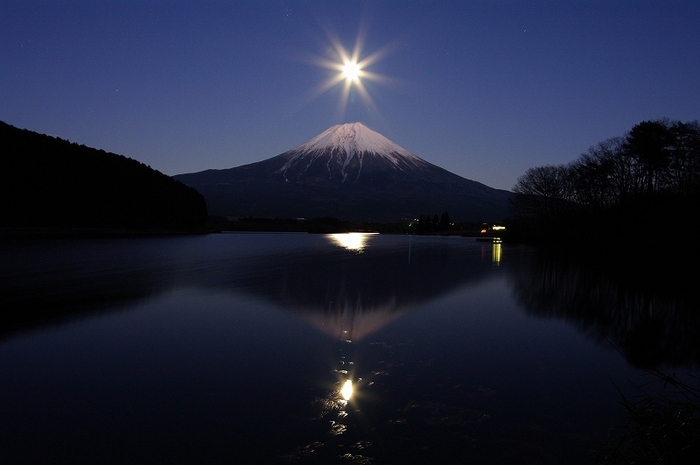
[50, 182]
[426, 224]
[641, 186]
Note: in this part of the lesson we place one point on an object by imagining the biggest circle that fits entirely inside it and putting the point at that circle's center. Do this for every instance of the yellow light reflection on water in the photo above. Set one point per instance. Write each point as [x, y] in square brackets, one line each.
[352, 241]
[496, 253]
[347, 390]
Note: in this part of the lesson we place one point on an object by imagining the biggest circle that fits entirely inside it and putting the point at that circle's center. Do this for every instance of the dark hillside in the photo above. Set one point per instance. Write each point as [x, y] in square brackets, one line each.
[49, 182]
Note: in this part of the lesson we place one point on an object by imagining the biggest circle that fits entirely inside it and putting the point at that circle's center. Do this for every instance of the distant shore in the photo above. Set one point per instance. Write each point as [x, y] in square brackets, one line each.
[69, 233]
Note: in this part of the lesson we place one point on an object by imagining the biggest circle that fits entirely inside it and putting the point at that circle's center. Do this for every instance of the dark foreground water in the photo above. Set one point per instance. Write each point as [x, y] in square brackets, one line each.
[234, 348]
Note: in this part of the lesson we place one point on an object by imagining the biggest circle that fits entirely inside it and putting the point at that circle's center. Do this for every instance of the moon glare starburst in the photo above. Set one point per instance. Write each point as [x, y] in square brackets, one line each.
[351, 71]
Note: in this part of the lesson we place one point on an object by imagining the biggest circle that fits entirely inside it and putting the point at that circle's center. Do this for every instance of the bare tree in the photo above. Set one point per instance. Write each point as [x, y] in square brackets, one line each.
[604, 175]
[541, 190]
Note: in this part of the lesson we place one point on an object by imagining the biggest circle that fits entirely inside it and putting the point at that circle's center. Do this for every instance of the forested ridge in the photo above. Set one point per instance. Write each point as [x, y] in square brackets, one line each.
[640, 188]
[50, 182]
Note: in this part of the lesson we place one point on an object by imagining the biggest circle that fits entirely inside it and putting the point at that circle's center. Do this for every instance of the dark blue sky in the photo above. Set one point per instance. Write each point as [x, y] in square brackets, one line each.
[485, 89]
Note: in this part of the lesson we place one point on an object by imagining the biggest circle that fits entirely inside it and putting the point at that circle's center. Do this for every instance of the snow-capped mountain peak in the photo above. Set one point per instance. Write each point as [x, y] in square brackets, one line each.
[346, 145]
[353, 137]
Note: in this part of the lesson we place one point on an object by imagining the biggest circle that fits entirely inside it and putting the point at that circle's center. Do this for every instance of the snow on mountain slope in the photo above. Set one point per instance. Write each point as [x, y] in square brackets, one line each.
[346, 145]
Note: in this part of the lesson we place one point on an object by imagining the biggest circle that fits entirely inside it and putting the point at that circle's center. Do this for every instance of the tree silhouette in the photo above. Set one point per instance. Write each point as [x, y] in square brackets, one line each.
[630, 186]
[445, 220]
[649, 144]
[540, 191]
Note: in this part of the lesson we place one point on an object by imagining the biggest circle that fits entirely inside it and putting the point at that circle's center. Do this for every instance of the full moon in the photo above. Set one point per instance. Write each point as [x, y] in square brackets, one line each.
[351, 71]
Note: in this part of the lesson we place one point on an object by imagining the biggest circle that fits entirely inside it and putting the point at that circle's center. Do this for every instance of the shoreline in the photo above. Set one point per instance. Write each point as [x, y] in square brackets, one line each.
[80, 233]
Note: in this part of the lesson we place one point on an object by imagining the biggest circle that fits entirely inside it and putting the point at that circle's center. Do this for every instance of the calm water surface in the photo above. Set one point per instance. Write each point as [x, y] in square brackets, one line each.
[234, 348]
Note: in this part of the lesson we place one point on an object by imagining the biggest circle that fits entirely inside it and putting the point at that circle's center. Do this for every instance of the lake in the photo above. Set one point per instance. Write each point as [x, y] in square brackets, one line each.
[312, 349]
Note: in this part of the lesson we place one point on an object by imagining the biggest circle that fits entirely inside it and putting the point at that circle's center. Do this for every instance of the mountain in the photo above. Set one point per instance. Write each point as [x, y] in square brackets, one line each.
[348, 172]
[50, 182]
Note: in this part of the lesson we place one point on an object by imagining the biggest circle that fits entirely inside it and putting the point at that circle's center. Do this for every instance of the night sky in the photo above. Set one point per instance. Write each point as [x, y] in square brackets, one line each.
[485, 89]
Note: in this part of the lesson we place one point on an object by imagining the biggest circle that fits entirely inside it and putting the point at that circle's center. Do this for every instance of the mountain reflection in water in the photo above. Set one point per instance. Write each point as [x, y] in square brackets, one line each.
[351, 295]
[203, 351]
[345, 288]
[348, 289]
